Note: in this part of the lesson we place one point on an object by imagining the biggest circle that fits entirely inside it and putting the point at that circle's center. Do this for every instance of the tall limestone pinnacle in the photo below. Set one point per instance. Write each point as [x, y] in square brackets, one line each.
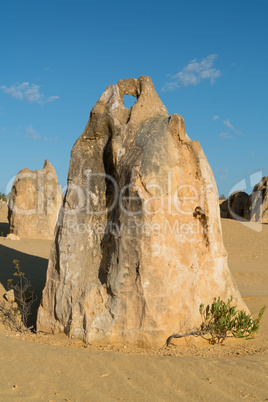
[140, 243]
[35, 202]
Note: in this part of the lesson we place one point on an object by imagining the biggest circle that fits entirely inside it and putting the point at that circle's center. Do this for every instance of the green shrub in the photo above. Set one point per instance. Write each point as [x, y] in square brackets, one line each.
[222, 320]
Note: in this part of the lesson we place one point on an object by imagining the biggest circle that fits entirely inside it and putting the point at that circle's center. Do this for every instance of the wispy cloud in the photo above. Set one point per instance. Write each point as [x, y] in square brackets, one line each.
[194, 73]
[32, 134]
[228, 124]
[27, 92]
[52, 98]
[225, 136]
[216, 117]
[51, 139]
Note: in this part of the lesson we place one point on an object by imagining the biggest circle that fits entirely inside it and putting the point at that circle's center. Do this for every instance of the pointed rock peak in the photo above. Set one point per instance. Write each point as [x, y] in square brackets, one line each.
[49, 168]
[148, 104]
[46, 164]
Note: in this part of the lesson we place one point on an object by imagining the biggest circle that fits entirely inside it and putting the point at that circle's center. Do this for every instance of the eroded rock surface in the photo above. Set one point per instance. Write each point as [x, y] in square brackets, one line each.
[140, 242]
[36, 198]
[248, 208]
[234, 206]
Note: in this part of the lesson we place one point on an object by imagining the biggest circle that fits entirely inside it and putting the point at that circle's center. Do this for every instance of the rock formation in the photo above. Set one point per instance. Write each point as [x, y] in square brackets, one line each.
[35, 201]
[257, 204]
[140, 242]
[248, 208]
[234, 206]
[12, 236]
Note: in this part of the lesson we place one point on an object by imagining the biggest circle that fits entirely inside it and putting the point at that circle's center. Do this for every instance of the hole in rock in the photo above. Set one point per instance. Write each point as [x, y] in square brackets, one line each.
[129, 101]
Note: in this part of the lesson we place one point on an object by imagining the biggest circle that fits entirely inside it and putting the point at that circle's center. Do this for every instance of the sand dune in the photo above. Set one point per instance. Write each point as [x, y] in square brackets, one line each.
[56, 368]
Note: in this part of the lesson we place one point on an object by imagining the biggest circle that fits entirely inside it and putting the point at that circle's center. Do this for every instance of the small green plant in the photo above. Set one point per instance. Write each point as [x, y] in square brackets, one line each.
[222, 197]
[15, 314]
[222, 320]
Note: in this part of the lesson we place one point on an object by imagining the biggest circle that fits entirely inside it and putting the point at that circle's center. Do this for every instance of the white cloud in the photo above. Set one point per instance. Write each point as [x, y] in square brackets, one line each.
[225, 136]
[32, 93]
[52, 98]
[31, 133]
[229, 125]
[27, 92]
[216, 117]
[194, 73]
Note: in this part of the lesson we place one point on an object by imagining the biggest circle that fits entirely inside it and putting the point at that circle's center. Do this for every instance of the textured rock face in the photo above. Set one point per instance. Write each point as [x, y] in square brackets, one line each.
[36, 198]
[140, 243]
[257, 204]
[249, 208]
[234, 207]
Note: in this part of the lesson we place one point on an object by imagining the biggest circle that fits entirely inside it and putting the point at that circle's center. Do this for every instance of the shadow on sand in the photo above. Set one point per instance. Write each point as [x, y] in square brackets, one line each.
[4, 228]
[34, 268]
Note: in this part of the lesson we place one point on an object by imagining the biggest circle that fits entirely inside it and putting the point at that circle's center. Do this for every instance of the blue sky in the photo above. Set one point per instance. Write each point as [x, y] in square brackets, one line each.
[208, 61]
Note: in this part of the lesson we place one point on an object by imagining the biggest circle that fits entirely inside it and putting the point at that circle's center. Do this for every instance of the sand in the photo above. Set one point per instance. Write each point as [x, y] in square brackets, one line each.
[56, 368]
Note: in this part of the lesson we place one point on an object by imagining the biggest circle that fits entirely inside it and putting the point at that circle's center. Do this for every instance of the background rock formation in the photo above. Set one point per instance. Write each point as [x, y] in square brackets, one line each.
[140, 242]
[249, 208]
[35, 201]
[234, 206]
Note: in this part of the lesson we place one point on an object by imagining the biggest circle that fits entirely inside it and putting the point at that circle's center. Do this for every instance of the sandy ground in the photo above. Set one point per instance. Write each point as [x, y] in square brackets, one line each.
[56, 368]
